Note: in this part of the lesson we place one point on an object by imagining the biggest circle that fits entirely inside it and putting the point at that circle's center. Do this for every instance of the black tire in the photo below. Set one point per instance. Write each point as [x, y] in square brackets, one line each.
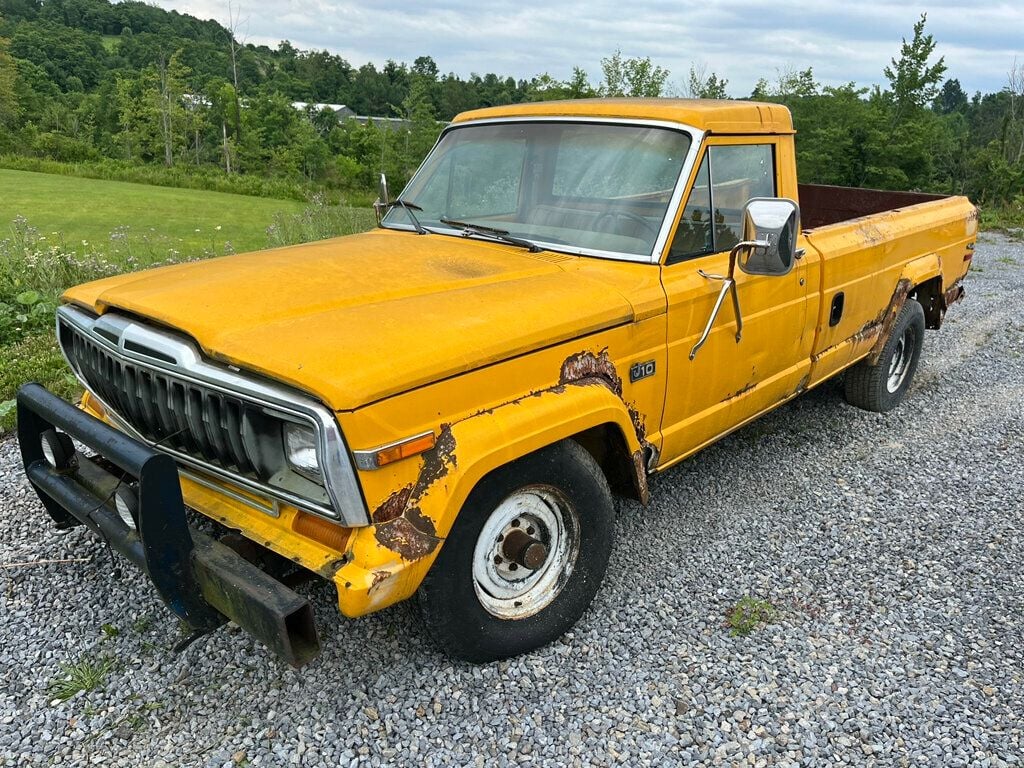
[881, 387]
[563, 480]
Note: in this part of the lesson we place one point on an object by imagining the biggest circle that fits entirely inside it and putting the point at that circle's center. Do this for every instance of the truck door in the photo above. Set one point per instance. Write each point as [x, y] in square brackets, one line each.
[729, 382]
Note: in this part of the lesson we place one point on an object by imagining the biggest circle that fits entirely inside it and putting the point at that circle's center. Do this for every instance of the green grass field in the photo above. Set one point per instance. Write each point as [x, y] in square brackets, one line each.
[158, 219]
[56, 231]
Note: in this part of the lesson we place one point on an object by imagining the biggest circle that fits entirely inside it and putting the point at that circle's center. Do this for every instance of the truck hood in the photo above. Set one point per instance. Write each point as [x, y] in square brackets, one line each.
[359, 318]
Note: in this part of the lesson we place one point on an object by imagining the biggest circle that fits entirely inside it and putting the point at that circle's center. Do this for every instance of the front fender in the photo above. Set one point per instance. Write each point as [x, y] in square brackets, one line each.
[387, 560]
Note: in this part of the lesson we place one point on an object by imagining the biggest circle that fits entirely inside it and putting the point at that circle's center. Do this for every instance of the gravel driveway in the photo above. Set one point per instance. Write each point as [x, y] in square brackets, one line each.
[890, 547]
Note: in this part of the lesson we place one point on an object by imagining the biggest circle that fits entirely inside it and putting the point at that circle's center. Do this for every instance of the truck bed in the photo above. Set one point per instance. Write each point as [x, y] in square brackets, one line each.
[866, 241]
[821, 204]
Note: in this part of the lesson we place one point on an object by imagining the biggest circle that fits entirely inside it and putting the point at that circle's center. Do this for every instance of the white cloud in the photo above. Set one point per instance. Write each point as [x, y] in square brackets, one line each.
[741, 40]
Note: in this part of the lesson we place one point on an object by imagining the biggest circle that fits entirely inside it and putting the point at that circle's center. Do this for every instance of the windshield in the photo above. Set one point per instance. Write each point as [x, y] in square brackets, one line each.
[575, 186]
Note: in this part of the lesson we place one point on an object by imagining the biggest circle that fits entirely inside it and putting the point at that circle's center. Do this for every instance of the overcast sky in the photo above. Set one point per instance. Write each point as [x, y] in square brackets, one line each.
[741, 40]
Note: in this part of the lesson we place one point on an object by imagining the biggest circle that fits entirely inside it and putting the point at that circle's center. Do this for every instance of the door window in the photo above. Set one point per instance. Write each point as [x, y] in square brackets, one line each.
[712, 219]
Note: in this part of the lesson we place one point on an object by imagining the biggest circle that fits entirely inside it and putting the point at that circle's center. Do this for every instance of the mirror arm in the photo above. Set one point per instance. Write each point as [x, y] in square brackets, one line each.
[382, 201]
[728, 284]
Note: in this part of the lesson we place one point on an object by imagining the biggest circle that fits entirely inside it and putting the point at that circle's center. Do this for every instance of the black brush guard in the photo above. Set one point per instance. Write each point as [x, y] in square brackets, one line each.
[202, 581]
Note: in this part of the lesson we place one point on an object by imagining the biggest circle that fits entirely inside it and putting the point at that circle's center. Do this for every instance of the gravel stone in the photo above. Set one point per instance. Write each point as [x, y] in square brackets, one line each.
[889, 545]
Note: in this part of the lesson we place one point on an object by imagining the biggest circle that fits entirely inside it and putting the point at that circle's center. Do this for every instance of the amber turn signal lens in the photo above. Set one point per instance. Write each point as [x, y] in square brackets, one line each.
[318, 529]
[400, 451]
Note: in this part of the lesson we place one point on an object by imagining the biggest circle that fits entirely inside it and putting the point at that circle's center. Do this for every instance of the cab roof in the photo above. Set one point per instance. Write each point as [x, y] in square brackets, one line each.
[713, 116]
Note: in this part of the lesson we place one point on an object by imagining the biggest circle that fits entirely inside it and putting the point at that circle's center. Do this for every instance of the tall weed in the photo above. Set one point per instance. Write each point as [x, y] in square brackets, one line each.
[317, 221]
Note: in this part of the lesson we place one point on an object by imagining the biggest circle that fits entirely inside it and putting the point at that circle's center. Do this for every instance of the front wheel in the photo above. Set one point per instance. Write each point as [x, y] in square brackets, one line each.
[525, 557]
[881, 387]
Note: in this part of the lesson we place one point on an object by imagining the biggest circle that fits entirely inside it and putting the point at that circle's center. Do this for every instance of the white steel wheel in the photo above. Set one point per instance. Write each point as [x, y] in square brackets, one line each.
[526, 552]
[525, 557]
[902, 354]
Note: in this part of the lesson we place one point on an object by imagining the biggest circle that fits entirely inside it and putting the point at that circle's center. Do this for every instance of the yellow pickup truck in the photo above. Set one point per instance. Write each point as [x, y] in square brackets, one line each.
[566, 298]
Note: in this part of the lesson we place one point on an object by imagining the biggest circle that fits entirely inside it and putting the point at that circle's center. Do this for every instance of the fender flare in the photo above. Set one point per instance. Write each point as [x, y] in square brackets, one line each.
[915, 273]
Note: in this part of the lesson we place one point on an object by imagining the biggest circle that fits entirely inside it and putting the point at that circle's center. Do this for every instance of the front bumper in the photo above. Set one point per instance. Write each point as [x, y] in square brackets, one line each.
[202, 581]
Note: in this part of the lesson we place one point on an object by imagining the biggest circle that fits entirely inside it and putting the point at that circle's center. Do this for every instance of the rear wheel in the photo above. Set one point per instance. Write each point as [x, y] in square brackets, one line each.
[881, 387]
[525, 557]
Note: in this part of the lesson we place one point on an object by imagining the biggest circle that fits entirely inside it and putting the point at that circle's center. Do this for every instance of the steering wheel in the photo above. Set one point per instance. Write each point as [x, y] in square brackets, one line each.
[635, 218]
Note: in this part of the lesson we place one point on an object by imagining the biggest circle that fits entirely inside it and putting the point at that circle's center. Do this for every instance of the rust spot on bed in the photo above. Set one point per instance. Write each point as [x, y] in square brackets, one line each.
[953, 295]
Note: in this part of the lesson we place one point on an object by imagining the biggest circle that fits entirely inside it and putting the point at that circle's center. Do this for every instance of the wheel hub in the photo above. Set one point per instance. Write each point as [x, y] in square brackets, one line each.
[525, 552]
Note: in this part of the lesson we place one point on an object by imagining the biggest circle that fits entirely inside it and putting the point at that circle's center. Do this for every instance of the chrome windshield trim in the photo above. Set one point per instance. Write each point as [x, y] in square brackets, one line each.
[179, 357]
[671, 211]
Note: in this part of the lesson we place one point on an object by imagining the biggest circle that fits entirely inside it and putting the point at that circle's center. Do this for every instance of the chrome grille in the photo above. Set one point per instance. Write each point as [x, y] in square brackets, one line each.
[158, 386]
[178, 414]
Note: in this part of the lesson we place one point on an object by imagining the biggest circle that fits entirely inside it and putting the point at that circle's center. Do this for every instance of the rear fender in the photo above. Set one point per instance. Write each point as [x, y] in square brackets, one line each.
[915, 273]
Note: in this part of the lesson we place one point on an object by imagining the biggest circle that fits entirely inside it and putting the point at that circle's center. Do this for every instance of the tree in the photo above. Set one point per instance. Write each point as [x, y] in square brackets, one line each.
[546, 88]
[10, 109]
[951, 98]
[705, 86]
[422, 129]
[1013, 132]
[129, 114]
[165, 87]
[631, 77]
[912, 80]
[789, 83]
[222, 98]
[233, 46]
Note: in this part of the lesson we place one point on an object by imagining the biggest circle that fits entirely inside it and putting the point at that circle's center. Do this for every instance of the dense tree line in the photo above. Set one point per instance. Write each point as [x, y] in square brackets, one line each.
[88, 81]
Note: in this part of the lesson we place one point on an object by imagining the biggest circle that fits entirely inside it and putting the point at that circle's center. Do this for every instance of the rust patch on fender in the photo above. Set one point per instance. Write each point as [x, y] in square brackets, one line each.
[393, 506]
[401, 536]
[400, 524]
[586, 368]
[888, 318]
[378, 578]
[438, 461]
[641, 477]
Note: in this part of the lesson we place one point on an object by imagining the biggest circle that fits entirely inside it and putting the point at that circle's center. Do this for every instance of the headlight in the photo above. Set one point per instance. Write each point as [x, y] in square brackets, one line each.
[126, 503]
[300, 450]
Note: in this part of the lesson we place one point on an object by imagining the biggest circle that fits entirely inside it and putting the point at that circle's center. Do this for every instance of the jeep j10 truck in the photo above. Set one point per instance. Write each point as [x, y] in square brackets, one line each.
[565, 298]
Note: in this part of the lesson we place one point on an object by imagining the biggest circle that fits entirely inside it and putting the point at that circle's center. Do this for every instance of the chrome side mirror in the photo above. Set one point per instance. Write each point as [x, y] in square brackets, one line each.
[770, 229]
[381, 205]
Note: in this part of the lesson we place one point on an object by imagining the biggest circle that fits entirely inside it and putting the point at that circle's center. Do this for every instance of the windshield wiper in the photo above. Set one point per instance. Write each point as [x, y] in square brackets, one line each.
[500, 234]
[409, 207]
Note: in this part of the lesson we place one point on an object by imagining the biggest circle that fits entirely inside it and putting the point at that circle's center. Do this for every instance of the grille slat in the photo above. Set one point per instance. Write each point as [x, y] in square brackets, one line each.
[233, 424]
[195, 419]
